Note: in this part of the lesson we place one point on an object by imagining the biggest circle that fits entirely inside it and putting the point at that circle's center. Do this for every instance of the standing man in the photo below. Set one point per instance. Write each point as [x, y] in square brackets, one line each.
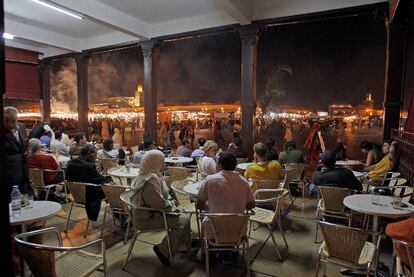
[15, 149]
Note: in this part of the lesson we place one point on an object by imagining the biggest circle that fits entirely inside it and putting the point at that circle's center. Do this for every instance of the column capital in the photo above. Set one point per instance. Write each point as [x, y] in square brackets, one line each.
[149, 46]
[82, 58]
[249, 33]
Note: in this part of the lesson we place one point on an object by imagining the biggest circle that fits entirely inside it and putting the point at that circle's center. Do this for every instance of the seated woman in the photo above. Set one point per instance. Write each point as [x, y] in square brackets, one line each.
[387, 162]
[149, 190]
[107, 152]
[208, 162]
[373, 153]
[38, 159]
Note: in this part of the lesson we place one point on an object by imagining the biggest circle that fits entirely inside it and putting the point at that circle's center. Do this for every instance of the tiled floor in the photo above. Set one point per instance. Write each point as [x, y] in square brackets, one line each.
[298, 260]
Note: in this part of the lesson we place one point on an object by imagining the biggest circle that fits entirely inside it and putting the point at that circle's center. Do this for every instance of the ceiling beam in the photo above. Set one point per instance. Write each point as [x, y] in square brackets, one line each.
[36, 34]
[105, 15]
[238, 11]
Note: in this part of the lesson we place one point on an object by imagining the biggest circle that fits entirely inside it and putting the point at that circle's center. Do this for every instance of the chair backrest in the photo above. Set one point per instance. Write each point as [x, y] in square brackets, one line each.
[36, 176]
[333, 198]
[289, 175]
[298, 170]
[107, 164]
[242, 160]
[77, 189]
[266, 184]
[228, 228]
[406, 247]
[343, 243]
[178, 173]
[113, 196]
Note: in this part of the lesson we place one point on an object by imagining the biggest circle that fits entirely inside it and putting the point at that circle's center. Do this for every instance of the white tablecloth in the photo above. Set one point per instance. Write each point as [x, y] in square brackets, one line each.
[178, 160]
[243, 166]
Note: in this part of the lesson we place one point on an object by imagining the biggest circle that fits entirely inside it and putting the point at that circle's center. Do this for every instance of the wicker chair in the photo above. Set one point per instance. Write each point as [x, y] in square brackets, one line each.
[139, 230]
[347, 247]
[77, 190]
[265, 197]
[107, 164]
[38, 183]
[394, 186]
[178, 173]
[400, 269]
[72, 261]
[134, 149]
[115, 205]
[185, 201]
[285, 184]
[229, 231]
[330, 205]
[270, 218]
[298, 176]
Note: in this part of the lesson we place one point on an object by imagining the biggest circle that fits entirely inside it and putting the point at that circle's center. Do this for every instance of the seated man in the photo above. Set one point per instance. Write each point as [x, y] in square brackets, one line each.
[263, 169]
[208, 161]
[149, 190]
[403, 230]
[83, 169]
[291, 154]
[330, 175]
[200, 151]
[238, 151]
[226, 191]
[184, 149]
[80, 141]
[46, 138]
[107, 151]
[57, 146]
[272, 154]
[147, 146]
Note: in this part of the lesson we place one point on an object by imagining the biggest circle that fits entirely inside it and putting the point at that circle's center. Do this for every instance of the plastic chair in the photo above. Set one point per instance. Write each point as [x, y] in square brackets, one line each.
[269, 218]
[139, 230]
[331, 205]
[229, 233]
[115, 205]
[38, 183]
[71, 261]
[347, 247]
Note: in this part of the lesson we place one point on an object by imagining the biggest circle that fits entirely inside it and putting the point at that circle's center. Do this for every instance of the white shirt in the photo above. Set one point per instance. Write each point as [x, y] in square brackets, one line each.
[59, 147]
[208, 165]
[103, 154]
[138, 156]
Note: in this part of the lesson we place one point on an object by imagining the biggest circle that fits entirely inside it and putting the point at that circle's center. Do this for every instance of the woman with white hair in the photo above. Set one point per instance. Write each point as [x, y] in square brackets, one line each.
[208, 162]
[149, 190]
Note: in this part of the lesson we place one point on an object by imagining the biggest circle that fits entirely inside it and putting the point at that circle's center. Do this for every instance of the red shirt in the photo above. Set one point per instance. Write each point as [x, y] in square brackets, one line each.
[43, 161]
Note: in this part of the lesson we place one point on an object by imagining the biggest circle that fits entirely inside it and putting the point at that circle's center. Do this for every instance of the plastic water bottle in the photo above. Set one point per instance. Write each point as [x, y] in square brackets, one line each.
[16, 202]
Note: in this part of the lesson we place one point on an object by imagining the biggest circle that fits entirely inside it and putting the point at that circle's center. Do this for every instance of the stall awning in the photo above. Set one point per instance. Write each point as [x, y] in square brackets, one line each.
[22, 74]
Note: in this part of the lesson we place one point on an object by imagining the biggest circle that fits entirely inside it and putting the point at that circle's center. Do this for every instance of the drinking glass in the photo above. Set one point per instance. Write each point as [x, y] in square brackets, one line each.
[374, 198]
[396, 202]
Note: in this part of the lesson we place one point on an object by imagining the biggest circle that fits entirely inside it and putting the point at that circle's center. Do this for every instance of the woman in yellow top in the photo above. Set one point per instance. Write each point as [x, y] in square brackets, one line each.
[387, 162]
[263, 169]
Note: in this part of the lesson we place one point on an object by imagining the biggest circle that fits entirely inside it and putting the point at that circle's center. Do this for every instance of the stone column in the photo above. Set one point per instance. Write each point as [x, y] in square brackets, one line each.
[395, 68]
[82, 62]
[149, 51]
[249, 37]
[44, 73]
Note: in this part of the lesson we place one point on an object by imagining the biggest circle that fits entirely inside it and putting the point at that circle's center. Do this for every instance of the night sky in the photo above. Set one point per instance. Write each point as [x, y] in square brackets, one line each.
[336, 60]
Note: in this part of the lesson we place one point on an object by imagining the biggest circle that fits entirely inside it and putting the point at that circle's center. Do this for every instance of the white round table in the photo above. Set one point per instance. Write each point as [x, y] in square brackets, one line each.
[41, 210]
[362, 203]
[116, 172]
[348, 163]
[178, 160]
[193, 188]
[243, 166]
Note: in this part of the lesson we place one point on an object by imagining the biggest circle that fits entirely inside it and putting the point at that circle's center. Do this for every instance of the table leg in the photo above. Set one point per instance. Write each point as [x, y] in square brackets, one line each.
[24, 268]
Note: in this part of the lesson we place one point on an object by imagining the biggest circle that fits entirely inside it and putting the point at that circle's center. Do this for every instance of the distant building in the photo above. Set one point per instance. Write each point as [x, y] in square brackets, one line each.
[366, 108]
[340, 110]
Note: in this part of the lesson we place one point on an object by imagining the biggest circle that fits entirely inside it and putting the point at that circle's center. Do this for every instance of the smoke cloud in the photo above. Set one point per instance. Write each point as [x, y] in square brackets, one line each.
[63, 90]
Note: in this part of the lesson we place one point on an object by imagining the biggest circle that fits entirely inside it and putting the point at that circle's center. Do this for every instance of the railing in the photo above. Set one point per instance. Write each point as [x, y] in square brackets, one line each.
[405, 152]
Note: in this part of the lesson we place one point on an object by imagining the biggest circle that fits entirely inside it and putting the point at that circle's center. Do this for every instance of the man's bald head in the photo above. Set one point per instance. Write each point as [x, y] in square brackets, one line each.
[10, 118]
